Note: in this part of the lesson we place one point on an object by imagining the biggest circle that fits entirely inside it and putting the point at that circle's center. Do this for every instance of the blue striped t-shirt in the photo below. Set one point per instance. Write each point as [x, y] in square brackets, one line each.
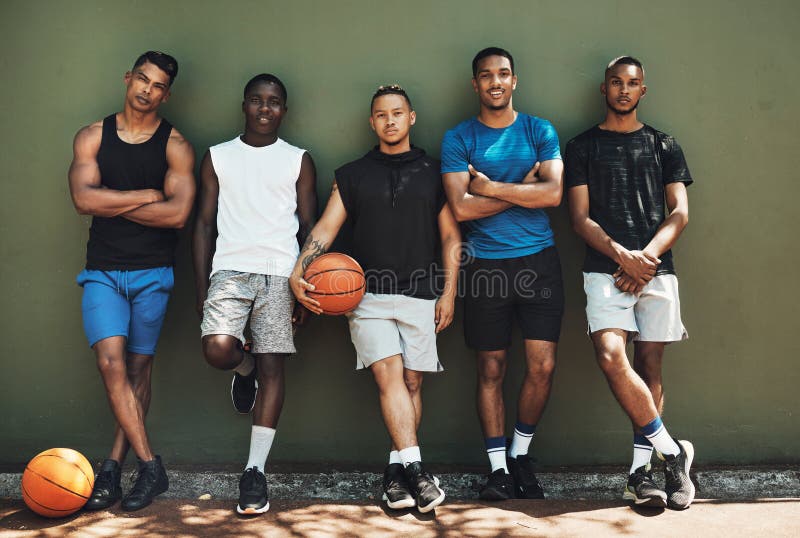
[505, 154]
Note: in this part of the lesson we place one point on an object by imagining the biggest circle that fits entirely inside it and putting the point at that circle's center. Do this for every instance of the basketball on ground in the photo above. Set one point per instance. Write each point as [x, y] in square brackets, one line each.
[57, 482]
[338, 280]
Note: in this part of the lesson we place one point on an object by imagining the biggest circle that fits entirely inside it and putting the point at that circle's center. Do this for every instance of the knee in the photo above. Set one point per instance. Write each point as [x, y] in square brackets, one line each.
[110, 365]
[542, 370]
[612, 363]
[220, 351]
[413, 384]
[491, 370]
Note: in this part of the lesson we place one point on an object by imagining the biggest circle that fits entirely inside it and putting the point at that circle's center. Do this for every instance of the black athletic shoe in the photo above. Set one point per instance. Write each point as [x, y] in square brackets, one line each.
[253, 493]
[396, 491]
[642, 489]
[107, 490]
[526, 485]
[243, 391]
[499, 487]
[151, 481]
[677, 484]
[424, 487]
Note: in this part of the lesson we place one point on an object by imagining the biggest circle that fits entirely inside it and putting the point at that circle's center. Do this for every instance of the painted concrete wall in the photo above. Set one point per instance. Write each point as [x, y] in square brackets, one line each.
[722, 77]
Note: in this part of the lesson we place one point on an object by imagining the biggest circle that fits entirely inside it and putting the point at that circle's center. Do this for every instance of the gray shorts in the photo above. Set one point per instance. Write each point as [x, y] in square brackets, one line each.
[266, 300]
[652, 315]
[385, 325]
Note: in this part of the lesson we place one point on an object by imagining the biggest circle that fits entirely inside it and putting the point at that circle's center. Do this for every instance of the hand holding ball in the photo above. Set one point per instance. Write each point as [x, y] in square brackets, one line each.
[338, 282]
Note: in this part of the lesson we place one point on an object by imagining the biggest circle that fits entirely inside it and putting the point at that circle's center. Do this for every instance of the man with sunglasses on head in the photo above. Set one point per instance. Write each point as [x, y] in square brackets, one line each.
[133, 172]
[394, 199]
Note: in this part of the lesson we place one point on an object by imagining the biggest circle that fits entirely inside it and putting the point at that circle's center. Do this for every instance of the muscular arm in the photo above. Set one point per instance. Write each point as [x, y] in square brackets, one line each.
[467, 206]
[639, 266]
[205, 229]
[672, 227]
[541, 187]
[450, 235]
[306, 198]
[316, 244]
[179, 189]
[88, 195]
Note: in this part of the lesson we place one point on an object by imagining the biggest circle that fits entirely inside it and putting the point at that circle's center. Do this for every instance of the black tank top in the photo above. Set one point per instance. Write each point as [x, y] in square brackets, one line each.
[117, 243]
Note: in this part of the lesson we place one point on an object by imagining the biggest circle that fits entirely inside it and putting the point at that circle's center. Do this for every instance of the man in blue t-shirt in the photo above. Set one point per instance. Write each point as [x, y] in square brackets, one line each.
[513, 270]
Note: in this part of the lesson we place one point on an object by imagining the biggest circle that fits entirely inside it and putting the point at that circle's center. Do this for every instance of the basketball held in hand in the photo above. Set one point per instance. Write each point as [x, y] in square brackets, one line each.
[57, 482]
[338, 281]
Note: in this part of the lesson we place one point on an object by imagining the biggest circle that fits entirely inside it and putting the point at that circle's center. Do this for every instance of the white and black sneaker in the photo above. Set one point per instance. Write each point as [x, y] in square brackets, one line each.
[396, 491]
[642, 490]
[677, 483]
[424, 487]
[253, 493]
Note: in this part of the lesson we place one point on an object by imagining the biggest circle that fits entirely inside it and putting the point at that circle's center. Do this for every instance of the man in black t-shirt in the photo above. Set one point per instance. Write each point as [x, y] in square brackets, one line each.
[394, 198]
[627, 194]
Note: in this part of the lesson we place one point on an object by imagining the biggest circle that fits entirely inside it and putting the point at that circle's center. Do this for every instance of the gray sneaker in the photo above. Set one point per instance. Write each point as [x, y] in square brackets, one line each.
[678, 485]
[642, 489]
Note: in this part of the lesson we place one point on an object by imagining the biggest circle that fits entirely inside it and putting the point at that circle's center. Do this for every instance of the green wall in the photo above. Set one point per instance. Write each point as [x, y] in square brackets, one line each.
[722, 77]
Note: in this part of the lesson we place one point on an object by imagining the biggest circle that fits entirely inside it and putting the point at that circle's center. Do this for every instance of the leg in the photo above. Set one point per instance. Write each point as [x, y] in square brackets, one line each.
[222, 351]
[491, 408]
[139, 371]
[540, 361]
[397, 405]
[269, 401]
[121, 395]
[647, 360]
[413, 382]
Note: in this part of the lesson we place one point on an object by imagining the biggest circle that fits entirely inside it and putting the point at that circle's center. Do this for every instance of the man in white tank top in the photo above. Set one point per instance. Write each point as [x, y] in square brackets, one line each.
[258, 199]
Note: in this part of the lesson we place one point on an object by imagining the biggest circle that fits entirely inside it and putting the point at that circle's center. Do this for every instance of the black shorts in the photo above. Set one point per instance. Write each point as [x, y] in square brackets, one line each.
[528, 288]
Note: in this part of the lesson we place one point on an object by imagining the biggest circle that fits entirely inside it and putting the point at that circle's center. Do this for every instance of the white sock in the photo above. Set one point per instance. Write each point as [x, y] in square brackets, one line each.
[520, 444]
[247, 364]
[661, 441]
[497, 459]
[261, 439]
[641, 456]
[409, 455]
[394, 457]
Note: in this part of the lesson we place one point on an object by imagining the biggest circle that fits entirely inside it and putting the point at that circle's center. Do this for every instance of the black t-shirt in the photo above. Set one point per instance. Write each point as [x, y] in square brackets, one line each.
[393, 203]
[626, 174]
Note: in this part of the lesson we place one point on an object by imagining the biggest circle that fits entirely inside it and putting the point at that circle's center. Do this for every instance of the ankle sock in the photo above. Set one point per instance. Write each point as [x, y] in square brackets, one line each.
[642, 451]
[659, 437]
[409, 455]
[521, 442]
[496, 450]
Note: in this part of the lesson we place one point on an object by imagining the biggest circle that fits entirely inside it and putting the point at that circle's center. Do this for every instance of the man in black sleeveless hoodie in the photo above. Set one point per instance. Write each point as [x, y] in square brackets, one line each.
[133, 172]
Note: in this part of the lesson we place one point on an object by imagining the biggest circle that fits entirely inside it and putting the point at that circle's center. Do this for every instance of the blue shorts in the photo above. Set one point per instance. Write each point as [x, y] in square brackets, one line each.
[126, 303]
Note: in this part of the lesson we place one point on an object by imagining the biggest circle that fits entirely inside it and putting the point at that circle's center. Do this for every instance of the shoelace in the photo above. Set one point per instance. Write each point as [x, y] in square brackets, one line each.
[104, 481]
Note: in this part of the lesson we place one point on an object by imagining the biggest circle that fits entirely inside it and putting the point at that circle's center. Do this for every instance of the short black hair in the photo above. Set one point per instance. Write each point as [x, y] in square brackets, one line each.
[491, 51]
[162, 60]
[269, 79]
[390, 89]
[623, 60]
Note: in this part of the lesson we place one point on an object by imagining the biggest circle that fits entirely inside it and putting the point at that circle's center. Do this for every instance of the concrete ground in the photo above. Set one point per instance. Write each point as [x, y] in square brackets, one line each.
[177, 518]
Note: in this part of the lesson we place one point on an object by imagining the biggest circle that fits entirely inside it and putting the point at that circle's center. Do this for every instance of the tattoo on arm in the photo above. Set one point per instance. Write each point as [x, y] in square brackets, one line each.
[314, 248]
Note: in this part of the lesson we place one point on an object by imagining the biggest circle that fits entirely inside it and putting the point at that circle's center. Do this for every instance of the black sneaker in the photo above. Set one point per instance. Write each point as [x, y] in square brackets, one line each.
[526, 485]
[424, 487]
[243, 391]
[107, 490]
[151, 481]
[499, 487]
[677, 484]
[396, 491]
[643, 491]
[253, 493]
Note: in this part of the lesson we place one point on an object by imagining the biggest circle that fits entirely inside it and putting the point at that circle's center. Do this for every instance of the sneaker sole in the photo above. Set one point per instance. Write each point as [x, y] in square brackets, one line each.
[233, 401]
[491, 494]
[689, 448]
[252, 511]
[399, 505]
[433, 504]
[648, 502]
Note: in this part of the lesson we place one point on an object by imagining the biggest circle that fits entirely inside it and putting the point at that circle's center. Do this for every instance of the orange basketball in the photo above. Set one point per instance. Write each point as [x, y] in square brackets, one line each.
[57, 482]
[339, 282]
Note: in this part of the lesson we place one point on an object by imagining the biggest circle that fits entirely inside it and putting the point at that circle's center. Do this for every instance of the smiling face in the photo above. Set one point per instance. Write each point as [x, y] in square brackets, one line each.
[148, 87]
[264, 106]
[623, 88]
[391, 119]
[494, 82]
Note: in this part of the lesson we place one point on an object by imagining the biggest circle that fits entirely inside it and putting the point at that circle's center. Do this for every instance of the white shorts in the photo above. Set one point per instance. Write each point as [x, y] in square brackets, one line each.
[652, 315]
[385, 325]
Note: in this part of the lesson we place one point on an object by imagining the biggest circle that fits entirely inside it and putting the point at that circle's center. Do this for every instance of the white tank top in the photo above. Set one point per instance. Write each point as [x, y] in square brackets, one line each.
[256, 216]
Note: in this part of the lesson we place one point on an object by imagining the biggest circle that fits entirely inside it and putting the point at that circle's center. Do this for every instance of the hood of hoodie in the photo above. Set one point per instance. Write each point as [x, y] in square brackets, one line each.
[400, 159]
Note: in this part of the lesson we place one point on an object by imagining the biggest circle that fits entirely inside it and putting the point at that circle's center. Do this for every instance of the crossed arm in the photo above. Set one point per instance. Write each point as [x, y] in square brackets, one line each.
[472, 195]
[636, 267]
[150, 207]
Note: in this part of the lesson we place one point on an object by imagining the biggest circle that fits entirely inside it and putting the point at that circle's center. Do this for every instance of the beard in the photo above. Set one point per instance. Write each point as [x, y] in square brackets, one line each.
[621, 111]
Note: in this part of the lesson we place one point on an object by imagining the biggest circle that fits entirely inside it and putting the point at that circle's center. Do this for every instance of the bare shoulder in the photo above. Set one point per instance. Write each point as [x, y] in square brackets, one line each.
[87, 140]
[178, 145]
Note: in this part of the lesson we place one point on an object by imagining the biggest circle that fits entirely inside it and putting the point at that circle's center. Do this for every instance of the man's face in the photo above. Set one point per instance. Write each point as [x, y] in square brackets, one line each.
[391, 118]
[494, 82]
[148, 87]
[264, 107]
[623, 88]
